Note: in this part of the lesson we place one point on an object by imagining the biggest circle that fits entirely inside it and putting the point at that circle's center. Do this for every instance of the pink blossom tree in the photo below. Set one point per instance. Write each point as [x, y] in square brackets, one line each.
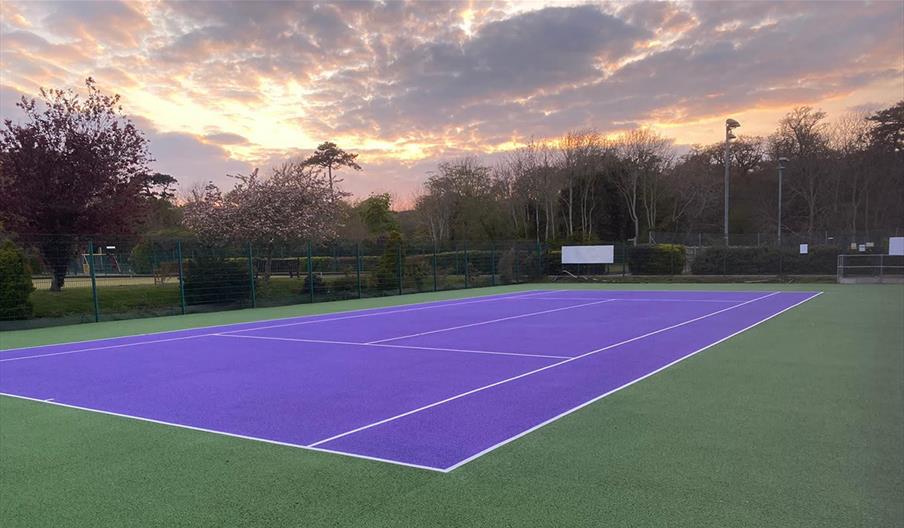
[295, 203]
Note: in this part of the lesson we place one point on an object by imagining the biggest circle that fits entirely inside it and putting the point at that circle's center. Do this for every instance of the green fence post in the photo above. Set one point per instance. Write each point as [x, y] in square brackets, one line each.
[181, 277]
[399, 259]
[434, 266]
[466, 265]
[493, 263]
[310, 273]
[251, 275]
[93, 281]
[358, 267]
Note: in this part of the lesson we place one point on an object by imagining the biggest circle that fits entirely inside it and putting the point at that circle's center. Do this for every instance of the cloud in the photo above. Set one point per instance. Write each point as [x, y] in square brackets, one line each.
[225, 86]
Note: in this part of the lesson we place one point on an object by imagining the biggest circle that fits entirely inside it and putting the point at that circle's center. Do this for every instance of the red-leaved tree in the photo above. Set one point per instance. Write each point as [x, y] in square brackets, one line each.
[74, 166]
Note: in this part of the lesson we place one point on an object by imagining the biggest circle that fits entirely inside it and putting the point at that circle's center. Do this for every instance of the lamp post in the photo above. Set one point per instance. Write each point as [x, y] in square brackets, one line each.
[729, 125]
[781, 169]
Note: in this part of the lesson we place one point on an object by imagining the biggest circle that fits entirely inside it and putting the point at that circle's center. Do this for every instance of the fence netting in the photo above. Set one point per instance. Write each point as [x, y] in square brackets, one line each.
[100, 278]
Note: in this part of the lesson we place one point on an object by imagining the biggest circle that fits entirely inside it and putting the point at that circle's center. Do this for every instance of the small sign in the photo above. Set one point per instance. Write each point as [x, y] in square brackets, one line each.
[861, 248]
[870, 244]
[804, 249]
[853, 246]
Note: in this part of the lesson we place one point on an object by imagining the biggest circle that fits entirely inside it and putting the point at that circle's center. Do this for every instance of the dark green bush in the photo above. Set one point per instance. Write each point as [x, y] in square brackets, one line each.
[317, 280]
[386, 276]
[15, 283]
[659, 259]
[215, 280]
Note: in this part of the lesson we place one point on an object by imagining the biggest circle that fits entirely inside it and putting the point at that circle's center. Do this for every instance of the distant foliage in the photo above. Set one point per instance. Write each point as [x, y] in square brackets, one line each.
[15, 283]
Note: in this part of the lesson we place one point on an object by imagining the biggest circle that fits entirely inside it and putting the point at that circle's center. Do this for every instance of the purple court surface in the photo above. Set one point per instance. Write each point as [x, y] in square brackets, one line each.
[431, 385]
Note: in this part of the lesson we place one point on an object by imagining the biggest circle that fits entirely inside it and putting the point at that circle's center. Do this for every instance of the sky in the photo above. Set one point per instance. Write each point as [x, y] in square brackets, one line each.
[223, 87]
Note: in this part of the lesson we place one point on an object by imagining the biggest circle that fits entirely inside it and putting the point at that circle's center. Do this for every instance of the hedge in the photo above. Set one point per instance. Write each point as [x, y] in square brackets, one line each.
[659, 259]
[15, 283]
[765, 261]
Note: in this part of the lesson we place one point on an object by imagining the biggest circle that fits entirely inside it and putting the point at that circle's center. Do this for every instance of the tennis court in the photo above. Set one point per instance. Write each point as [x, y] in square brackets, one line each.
[432, 385]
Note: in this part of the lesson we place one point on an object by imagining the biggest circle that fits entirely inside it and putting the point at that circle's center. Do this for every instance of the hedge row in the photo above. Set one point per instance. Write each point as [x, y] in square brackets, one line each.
[659, 259]
[765, 261]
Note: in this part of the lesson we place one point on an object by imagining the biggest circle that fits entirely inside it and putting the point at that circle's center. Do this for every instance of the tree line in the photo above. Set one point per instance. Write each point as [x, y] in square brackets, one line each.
[844, 177]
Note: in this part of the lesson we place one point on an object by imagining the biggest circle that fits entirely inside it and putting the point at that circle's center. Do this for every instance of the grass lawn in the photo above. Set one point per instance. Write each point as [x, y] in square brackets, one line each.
[796, 422]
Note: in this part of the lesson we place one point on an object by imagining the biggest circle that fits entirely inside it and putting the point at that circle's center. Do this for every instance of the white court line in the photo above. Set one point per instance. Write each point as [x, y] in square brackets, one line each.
[121, 345]
[631, 299]
[178, 338]
[432, 304]
[469, 325]
[378, 345]
[532, 372]
[223, 433]
[632, 382]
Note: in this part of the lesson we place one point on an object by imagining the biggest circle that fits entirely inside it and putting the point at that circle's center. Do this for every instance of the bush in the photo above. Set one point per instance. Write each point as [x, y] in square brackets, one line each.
[387, 273]
[215, 280]
[659, 259]
[317, 280]
[15, 283]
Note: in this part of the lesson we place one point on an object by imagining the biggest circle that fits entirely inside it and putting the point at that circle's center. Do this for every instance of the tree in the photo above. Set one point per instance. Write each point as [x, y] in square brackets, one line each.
[376, 213]
[76, 166]
[802, 137]
[328, 156]
[158, 186]
[888, 130]
[295, 203]
[645, 156]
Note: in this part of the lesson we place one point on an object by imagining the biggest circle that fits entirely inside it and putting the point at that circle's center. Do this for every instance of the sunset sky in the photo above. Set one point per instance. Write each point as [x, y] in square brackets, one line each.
[224, 87]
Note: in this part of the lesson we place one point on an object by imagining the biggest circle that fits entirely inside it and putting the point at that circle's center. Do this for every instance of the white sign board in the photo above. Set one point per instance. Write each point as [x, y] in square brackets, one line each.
[588, 254]
[861, 248]
[804, 249]
[896, 246]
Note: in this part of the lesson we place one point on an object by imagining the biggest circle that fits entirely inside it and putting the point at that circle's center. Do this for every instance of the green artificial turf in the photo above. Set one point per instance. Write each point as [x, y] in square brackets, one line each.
[796, 422]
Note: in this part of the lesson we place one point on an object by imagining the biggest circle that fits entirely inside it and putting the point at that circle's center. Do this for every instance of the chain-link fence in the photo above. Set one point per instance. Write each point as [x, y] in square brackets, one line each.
[85, 279]
[101, 278]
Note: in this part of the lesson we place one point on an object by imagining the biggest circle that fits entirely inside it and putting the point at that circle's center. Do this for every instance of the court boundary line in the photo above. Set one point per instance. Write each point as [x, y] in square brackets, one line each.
[531, 372]
[315, 449]
[646, 299]
[626, 385]
[490, 321]
[178, 338]
[222, 433]
[472, 299]
[381, 345]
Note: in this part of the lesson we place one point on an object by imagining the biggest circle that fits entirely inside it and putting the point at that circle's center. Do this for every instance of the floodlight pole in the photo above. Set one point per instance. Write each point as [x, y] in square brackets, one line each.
[781, 170]
[729, 124]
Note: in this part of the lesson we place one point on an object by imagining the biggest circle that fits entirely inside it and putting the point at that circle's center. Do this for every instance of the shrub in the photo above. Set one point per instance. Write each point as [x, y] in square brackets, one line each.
[15, 283]
[387, 274]
[317, 280]
[659, 259]
[215, 280]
